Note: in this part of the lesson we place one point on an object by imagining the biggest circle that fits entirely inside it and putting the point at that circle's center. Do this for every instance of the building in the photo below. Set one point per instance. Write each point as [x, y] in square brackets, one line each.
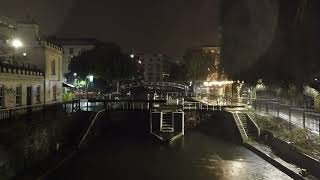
[204, 61]
[31, 74]
[156, 67]
[73, 47]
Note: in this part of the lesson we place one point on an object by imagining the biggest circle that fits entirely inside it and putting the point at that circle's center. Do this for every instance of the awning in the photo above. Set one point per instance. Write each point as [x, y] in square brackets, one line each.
[68, 85]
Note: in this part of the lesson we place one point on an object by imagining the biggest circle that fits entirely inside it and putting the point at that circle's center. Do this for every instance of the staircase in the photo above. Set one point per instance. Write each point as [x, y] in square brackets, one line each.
[244, 121]
[167, 122]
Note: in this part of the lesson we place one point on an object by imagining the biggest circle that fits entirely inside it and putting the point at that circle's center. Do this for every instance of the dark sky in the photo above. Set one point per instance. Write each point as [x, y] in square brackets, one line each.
[167, 26]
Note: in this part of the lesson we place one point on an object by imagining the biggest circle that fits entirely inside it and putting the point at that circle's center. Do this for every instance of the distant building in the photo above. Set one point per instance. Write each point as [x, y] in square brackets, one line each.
[207, 56]
[156, 67]
[35, 75]
[73, 47]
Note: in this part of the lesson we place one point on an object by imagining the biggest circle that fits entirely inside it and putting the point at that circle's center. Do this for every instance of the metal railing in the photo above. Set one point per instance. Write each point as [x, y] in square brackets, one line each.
[303, 118]
[168, 84]
[200, 106]
[17, 111]
[96, 115]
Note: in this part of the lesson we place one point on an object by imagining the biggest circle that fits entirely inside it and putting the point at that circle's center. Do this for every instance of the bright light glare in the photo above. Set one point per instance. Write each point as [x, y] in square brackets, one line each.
[90, 78]
[132, 55]
[24, 54]
[82, 83]
[16, 43]
[217, 83]
[139, 62]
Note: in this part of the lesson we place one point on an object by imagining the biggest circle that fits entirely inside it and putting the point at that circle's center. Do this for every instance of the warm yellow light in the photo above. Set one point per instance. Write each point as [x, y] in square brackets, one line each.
[217, 83]
[16, 43]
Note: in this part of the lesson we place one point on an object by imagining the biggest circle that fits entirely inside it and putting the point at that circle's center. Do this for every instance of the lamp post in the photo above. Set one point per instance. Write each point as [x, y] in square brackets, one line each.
[15, 43]
[90, 77]
[239, 86]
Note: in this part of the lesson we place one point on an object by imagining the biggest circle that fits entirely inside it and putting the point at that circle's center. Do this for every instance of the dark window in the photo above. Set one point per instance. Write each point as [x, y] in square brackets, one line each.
[70, 51]
[18, 96]
[54, 92]
[53, 67]
[1, 96]
[158, 67]
[38, 94]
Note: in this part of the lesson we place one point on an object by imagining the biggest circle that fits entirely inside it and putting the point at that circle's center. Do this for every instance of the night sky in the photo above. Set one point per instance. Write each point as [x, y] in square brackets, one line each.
[167, 26]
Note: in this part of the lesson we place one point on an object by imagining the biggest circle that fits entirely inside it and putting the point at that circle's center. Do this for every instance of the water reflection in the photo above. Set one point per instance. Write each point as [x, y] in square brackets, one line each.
[196, 156]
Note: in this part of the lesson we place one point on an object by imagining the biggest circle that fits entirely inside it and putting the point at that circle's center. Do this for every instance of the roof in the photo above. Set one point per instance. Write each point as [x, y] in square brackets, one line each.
[73, 41]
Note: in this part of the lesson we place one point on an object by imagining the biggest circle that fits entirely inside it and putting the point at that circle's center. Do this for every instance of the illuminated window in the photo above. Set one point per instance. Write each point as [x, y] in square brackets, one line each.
[1, 96]
[18, 96]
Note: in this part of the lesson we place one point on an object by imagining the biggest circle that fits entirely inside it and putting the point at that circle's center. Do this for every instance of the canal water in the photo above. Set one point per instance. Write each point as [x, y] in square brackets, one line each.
[123, 154]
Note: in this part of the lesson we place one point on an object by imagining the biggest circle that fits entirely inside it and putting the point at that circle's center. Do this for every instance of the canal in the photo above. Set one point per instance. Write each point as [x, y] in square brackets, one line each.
[122, 153]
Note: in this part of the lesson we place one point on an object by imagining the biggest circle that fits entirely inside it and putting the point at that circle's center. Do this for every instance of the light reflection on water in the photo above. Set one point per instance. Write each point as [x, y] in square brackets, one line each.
[196, 156]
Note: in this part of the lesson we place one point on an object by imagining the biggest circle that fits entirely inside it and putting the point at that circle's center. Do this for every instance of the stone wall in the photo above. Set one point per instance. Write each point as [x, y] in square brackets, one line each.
[291, 154]
[31, 139]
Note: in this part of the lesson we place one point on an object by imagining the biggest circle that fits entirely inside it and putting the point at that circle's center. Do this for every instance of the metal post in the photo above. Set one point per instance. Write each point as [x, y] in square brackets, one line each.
[304, 119]
[290, 117]
[319, 125]
[267, 108]
[255, 105]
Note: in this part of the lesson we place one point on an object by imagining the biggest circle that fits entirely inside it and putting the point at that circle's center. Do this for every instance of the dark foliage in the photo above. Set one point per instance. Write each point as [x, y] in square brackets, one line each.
[276, 41]
[106, 61]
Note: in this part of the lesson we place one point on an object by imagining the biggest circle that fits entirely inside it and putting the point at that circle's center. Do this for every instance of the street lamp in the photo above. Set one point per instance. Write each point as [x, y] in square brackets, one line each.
[132, 56]
[90, 77]
[15, 43]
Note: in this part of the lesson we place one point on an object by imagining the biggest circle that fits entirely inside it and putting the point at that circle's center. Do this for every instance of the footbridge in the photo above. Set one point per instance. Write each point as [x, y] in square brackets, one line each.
[155, 84]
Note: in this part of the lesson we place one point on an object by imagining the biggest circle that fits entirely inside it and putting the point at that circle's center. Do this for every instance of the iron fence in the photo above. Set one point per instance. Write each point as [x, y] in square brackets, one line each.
[303, 118]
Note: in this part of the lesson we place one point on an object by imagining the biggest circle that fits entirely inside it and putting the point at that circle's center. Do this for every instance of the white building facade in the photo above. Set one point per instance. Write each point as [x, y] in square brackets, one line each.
[31, 74]
[73, 47]
[156, 67]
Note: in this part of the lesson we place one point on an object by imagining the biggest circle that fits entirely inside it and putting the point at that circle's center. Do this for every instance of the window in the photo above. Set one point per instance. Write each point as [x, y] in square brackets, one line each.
[38, 94]
[1, 96]
[149, 67]
[53, 67]
[18, 96]
[158, 67]
[70, 51]
[54, 92]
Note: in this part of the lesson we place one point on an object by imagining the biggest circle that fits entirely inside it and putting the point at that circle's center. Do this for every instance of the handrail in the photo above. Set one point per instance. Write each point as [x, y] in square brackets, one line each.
[241, 126]
[37, 105]
[91, 124]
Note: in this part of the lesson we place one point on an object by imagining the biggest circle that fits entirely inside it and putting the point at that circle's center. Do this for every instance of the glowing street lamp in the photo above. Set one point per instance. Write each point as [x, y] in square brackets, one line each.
[132, 56]
[16, 44]
[90, 77]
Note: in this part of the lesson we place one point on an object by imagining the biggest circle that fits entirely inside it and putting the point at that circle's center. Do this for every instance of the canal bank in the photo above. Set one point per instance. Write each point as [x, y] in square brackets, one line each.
[32, 140]
[280, 154]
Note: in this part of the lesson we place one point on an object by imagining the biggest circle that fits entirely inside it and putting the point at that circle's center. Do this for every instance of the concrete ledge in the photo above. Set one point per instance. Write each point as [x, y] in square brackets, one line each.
[275, 163]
